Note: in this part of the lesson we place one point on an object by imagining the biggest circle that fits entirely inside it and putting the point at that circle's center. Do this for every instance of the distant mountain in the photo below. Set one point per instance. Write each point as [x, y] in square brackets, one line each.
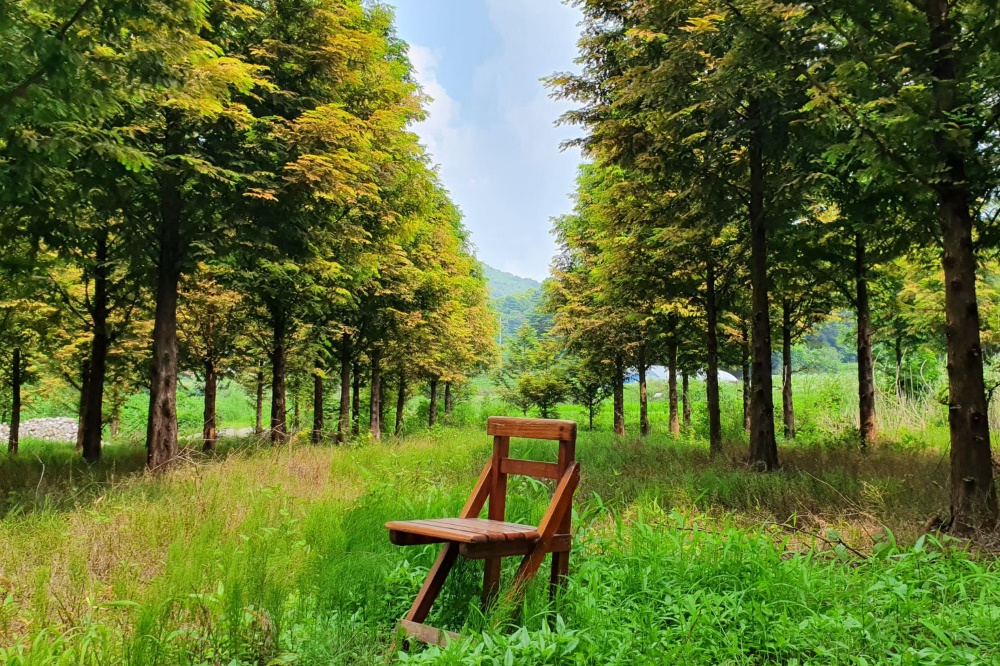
[505, 284]
[517, 301]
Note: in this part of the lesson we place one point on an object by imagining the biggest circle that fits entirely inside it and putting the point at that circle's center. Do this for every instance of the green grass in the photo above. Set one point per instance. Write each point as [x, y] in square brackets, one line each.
[270, 556]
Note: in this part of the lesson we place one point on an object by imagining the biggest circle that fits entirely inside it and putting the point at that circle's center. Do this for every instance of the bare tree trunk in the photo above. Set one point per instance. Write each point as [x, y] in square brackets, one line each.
[93, 414]
[400, 403]
[382, 406]
[763, 447]
[317, 429]
[116, 410]
[787, 405]
[449, 400]
[686, 398]
[899, 367]
[211, 391]
[973, 493]
[619, 396]
[866, 363]
[356, 399]
[745, 366]
[643, 395]
[712, 371]
[161, 427]
[375, 402]
[590, 413]
[675, 422]
[295, 410]
[84, 391]
[258, 427]
[14, 436]
[279, 417]
[344, 423]
[433, 411]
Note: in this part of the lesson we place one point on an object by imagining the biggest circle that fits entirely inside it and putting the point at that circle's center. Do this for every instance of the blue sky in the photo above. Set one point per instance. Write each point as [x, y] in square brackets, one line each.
[491, 122]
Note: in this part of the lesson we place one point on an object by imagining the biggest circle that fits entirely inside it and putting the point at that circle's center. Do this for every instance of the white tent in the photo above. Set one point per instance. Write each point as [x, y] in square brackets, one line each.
[659, 372]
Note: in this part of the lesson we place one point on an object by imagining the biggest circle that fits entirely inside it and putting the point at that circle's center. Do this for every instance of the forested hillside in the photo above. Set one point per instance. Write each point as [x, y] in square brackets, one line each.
[503, 284]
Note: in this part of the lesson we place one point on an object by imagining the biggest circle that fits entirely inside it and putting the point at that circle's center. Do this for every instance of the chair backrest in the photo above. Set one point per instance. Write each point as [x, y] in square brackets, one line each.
[502, 428]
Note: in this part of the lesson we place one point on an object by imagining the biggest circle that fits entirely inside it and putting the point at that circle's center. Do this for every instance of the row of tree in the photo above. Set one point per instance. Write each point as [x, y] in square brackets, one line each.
[756, 165]
[223, 186]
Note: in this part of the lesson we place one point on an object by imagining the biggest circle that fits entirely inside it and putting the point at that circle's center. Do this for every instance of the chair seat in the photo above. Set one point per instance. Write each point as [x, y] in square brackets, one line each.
[458, 530]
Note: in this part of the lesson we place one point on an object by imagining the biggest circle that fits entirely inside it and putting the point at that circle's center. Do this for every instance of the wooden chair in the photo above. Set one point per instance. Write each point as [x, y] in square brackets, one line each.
[491, 539]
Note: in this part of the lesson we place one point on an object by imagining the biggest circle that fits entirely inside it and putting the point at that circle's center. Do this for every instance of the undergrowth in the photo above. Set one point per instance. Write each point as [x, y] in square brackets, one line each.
[273, 556]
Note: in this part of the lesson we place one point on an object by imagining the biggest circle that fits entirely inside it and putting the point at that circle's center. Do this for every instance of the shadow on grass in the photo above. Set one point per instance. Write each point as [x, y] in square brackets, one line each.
[51, 476]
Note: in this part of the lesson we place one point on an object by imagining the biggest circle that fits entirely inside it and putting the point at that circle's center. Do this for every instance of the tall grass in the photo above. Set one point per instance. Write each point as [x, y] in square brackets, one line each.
[271, 556]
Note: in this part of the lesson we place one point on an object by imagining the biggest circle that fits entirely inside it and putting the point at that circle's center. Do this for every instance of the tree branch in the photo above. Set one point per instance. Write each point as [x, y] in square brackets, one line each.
[20, 90]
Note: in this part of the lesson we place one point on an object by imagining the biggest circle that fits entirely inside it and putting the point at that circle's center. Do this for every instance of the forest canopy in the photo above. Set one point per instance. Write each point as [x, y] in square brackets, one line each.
[228, 189]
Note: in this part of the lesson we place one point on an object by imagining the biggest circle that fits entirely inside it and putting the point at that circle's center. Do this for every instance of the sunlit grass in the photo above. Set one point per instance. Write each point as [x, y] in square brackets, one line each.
[267, 554]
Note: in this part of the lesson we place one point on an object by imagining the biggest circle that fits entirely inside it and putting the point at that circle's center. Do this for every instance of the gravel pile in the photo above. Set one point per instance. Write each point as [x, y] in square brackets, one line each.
[59, 429]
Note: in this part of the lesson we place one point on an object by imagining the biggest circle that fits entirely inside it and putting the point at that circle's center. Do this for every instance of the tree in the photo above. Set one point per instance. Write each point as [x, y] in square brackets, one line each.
[211, 325]
[922, 110]
[589, 386]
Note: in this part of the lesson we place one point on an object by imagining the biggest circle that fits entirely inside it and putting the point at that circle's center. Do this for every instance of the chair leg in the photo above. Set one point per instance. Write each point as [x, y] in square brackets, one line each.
[491, 581]
[560, 569]
[431, 588]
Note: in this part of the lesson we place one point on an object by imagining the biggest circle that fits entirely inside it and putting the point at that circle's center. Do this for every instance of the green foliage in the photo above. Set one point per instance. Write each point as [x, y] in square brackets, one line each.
[533, 373]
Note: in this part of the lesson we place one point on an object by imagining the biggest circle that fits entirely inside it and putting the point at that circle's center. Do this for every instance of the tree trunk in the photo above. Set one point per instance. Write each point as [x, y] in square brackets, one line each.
[295, 410]
[382, 403]
[619, 397]
[93, 413]
[643, 395]
[868, 428]
[675, 422]
[259, 408]
[356, 399]
[899, 367]
[763, 447]
[211, 391]
[449, 400]
[279, 417]
[317, 429]
[745, 366]
[590, 414]
[712, 371]
[375, 406]
[686, 398]
[400, 403]
[787, 405]
[84, 391]
[973, 494]
[161, 427]
[344, 422]
[116, 410]
[14, 436]
[433, 411]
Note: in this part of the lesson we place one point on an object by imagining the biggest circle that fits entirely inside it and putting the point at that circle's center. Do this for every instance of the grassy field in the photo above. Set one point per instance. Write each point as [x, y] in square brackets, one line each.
[278, 556]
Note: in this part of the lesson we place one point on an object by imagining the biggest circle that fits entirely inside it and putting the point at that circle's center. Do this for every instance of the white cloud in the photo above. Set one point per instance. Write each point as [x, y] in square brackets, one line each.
[498, 148]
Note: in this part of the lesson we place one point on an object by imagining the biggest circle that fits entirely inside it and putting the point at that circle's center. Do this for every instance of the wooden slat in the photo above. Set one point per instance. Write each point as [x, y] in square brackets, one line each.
[460, 530]
[398, 538]
[505, 426]
[426, 634]
[559, 545]
[533, 468]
